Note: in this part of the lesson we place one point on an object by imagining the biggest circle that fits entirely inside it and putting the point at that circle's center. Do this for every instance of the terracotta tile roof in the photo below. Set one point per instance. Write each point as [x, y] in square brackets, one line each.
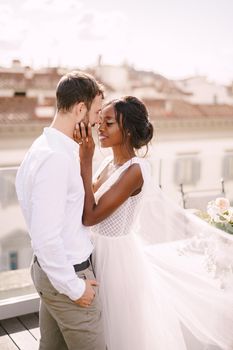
[49, 101]
[39, 80]
[44, 80]
[182, 109]
[9, 80]
[216, 110]
[179, 109]
[18, 109]
[156, 108]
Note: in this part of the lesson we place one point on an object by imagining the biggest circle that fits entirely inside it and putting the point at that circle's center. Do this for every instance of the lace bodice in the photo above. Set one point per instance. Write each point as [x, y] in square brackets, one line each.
[120, 222]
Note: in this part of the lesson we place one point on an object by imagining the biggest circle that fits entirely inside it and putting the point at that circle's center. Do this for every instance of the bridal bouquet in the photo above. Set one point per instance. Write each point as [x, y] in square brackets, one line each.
[220, 214]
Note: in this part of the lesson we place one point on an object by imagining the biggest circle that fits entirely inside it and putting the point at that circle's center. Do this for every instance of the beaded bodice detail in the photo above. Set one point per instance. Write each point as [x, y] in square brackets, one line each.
[119, 223]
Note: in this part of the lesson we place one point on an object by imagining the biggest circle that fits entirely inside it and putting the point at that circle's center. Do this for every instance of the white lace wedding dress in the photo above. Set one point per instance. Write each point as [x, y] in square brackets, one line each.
[155, 289]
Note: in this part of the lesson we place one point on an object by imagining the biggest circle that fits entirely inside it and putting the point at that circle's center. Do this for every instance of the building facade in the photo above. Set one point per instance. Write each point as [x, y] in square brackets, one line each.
[192, 150]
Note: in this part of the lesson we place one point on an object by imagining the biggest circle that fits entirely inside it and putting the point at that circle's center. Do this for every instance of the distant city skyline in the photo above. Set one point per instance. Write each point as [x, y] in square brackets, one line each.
[175, 38]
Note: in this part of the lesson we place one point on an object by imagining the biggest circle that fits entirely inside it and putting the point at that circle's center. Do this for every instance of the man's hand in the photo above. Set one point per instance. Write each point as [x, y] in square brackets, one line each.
[89, 294]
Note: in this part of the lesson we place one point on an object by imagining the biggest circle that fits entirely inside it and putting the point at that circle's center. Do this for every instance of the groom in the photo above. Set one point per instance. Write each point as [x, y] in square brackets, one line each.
[51, 195]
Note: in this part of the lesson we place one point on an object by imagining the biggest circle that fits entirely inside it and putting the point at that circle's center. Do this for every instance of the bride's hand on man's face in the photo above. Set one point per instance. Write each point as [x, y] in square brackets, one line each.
[83, 136]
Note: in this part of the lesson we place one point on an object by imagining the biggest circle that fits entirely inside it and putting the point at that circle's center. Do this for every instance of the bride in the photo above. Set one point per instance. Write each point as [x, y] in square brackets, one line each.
[150, 254]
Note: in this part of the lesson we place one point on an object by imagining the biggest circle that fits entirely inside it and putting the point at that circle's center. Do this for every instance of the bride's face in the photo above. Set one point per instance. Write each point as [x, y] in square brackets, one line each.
[109, 131]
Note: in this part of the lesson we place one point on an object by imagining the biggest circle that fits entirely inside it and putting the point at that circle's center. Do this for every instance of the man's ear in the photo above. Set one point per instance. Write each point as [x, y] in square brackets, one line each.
[80, 111]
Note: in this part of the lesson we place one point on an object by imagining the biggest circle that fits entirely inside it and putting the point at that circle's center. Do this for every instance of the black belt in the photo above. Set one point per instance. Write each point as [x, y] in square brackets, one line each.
[83, 266]
[77, 268]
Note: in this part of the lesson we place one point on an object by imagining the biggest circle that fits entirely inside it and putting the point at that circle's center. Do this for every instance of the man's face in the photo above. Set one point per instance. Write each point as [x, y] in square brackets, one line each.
[92, 115]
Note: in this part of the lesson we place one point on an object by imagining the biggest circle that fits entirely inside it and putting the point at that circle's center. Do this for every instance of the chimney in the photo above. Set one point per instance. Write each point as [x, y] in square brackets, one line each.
[16, 63]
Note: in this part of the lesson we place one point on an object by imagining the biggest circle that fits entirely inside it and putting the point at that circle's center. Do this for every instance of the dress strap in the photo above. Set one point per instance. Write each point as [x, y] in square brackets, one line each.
[145, 169]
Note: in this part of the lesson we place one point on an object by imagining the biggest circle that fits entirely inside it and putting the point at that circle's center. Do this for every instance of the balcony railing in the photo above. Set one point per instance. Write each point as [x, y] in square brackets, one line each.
[15, 248]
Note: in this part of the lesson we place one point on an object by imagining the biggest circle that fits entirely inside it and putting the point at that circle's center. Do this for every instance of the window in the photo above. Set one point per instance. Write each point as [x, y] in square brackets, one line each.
[7, 187]
[20, 93]
[187, 170]
[13, 260]
[227, 169]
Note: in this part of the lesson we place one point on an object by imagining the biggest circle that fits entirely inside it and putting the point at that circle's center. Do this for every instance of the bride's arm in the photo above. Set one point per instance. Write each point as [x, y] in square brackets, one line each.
[129, 183]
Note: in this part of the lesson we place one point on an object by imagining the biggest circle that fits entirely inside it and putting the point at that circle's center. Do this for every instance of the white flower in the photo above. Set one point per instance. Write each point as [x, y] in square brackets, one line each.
[230, 215]
[212, 210]
[221, 214]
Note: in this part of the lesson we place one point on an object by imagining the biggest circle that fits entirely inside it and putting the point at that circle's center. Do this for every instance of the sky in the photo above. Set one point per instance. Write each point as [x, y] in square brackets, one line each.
[175, 38]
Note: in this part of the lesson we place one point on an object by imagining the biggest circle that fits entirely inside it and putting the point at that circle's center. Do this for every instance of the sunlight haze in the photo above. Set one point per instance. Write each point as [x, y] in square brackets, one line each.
[174, 38]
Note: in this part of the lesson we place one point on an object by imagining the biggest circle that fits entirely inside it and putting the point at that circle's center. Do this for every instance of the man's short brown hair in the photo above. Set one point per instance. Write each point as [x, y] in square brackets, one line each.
[75, 87]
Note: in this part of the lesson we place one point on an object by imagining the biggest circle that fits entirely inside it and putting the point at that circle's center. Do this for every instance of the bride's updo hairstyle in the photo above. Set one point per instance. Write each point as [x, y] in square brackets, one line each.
[133, 120]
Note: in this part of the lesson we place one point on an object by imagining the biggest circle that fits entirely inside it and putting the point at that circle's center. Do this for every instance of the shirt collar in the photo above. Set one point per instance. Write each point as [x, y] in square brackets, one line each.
[69, 144]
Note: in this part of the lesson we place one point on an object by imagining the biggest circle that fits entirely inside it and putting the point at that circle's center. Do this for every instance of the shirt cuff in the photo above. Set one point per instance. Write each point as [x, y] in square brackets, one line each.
[80, 290]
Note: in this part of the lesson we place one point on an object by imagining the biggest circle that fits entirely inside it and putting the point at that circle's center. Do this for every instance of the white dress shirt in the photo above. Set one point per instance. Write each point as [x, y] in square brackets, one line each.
[51, 195]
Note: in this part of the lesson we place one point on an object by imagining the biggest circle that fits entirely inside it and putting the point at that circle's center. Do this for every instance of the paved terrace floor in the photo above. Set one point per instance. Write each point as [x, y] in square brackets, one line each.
[20, 332]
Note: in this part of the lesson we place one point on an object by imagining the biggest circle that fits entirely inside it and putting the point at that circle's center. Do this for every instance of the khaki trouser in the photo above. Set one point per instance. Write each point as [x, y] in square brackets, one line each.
[63, 324]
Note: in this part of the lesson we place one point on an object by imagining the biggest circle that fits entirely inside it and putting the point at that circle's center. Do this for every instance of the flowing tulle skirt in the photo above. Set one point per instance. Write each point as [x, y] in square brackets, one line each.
[155, 299]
